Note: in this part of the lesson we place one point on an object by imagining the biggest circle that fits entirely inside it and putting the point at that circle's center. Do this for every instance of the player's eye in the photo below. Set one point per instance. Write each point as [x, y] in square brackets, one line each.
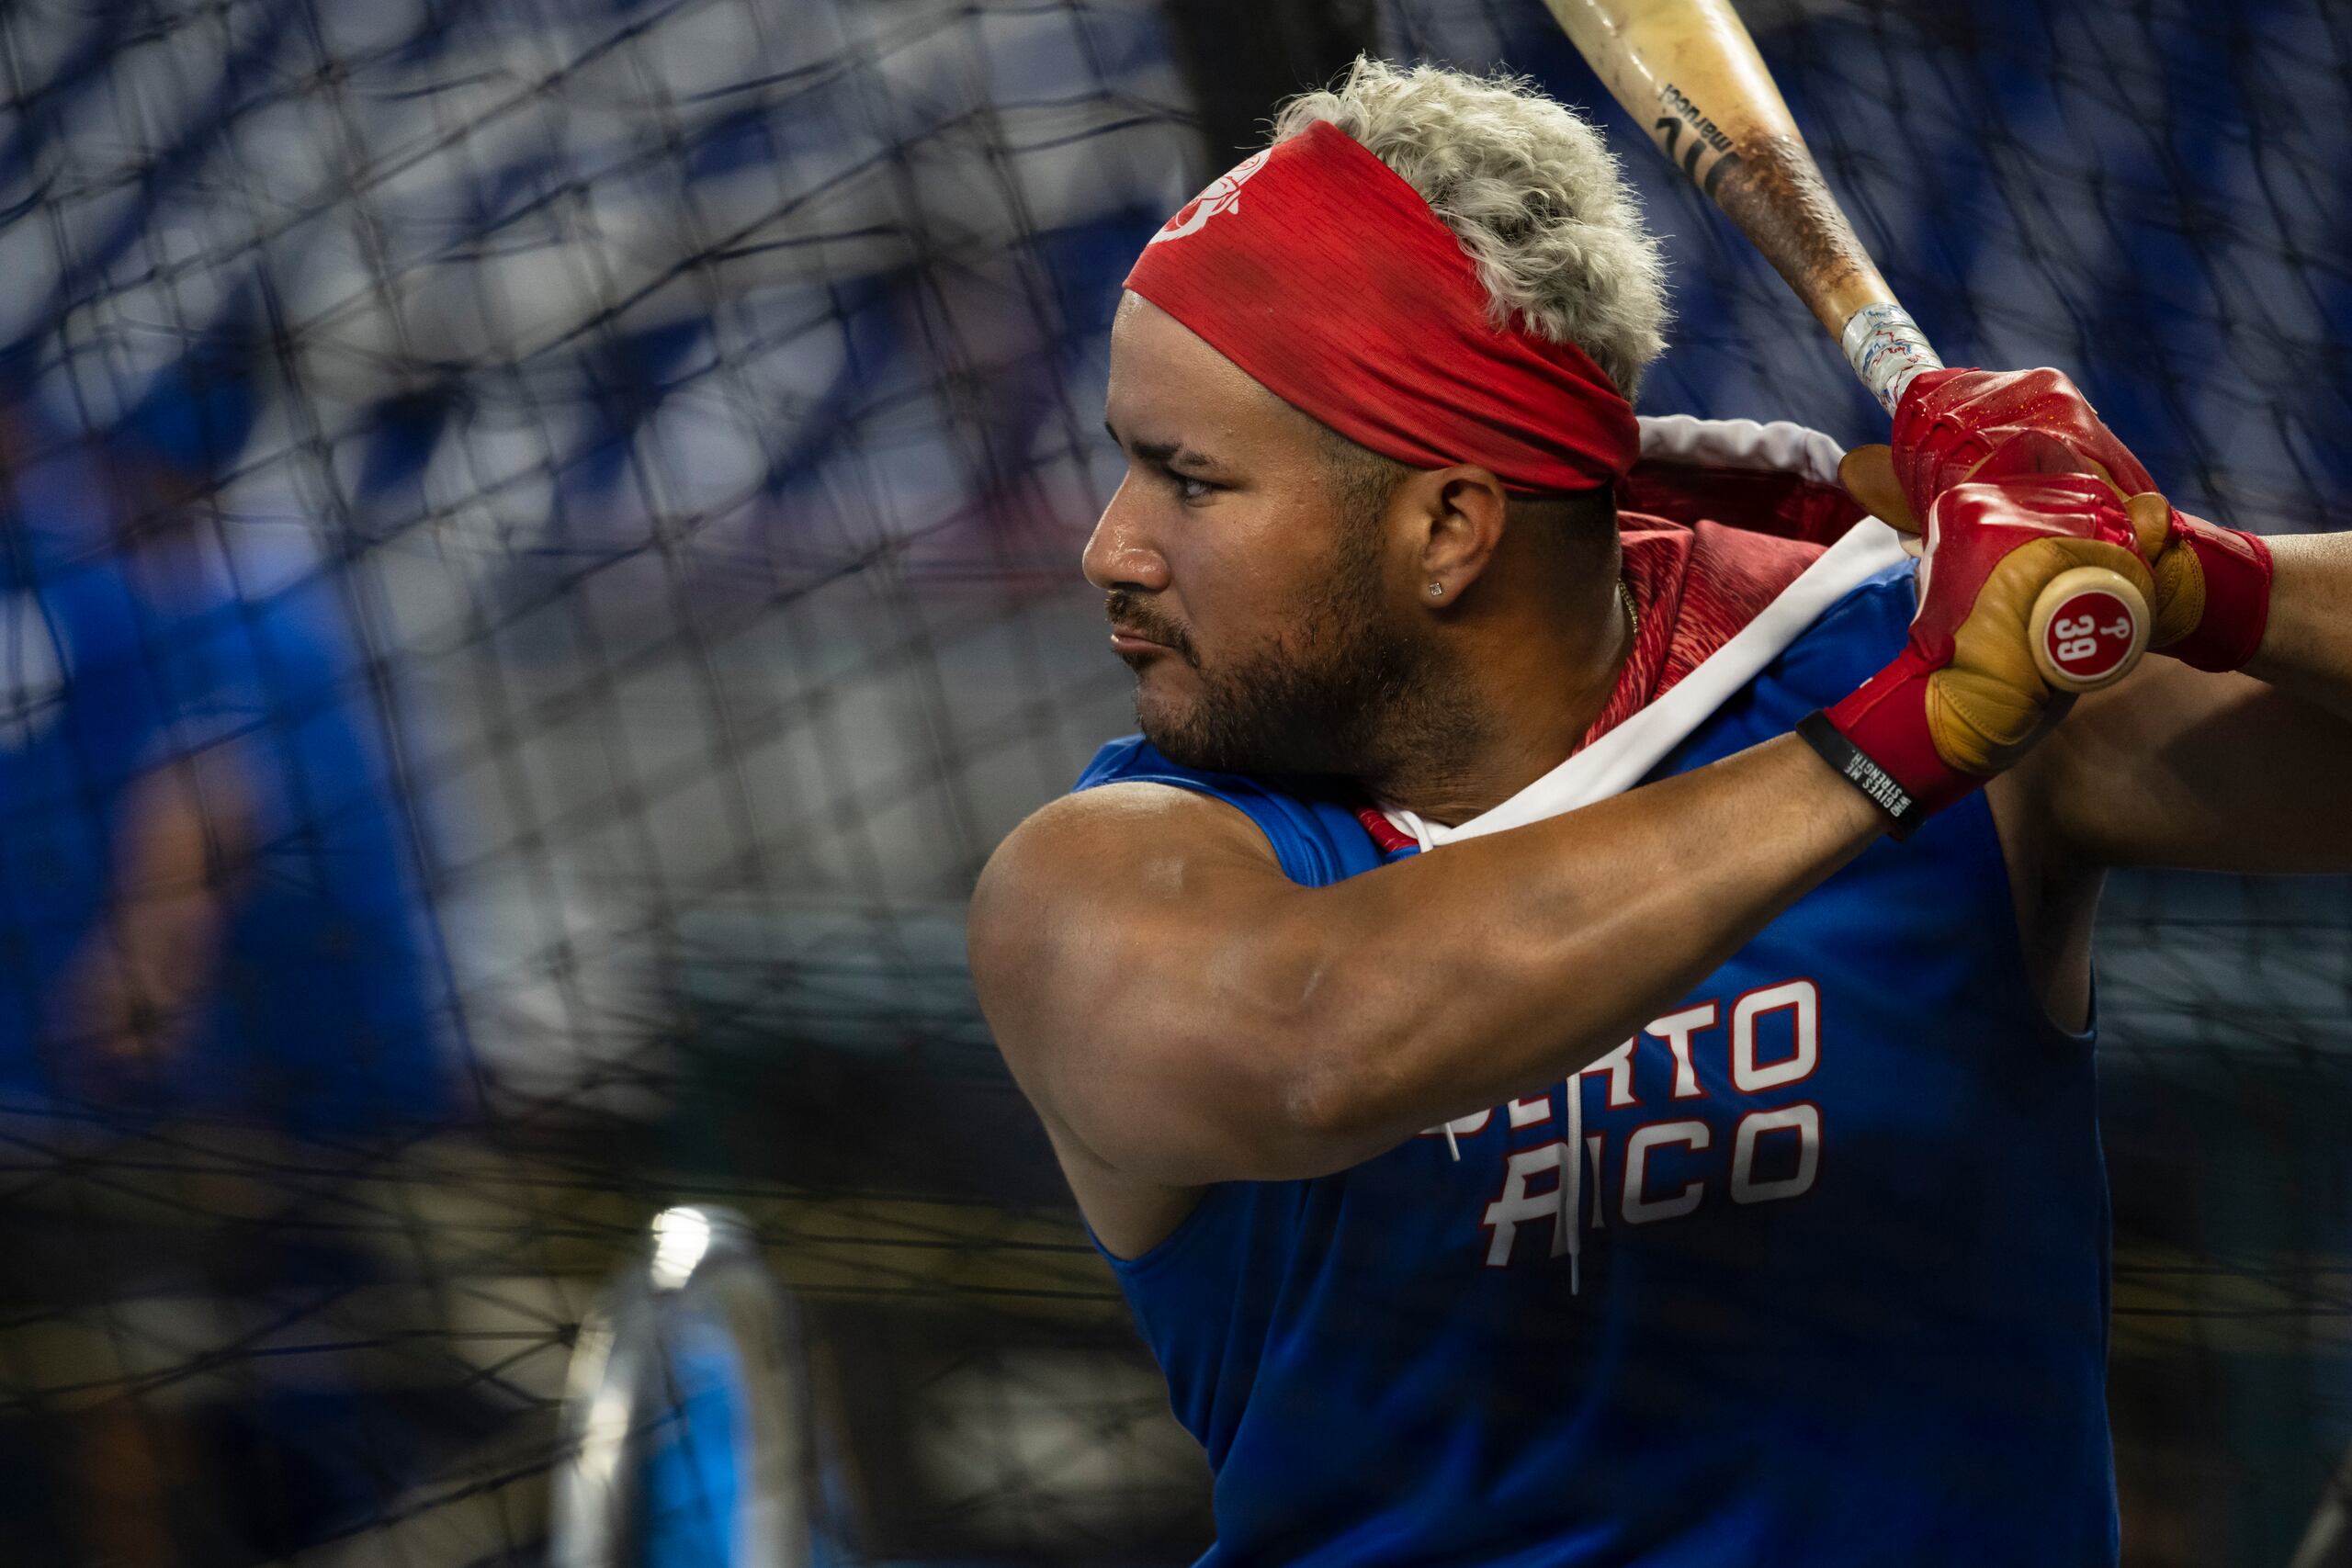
[1188, 488]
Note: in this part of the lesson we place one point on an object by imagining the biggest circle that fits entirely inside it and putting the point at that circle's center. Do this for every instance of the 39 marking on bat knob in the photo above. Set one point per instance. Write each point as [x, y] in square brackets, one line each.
[2090, 625]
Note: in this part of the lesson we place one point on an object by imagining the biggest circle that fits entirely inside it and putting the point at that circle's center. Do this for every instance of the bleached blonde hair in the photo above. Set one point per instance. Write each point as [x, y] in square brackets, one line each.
[1528, 187]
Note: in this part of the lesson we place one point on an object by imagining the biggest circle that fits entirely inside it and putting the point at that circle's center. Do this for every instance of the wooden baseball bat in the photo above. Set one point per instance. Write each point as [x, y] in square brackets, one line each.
[1689, 73]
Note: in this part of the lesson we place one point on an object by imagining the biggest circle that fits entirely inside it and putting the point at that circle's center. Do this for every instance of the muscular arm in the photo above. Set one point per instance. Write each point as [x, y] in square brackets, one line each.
[1183, 1014]
[2307, 642]
[2176, 767]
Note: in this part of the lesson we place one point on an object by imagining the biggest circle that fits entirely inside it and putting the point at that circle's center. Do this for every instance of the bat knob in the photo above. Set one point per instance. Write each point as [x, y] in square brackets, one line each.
[2090, 628]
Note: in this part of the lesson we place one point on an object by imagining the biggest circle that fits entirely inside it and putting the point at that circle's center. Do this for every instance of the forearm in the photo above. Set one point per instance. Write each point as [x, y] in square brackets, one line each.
[167, 944]
[1457, 980]
[184, 830]
[138, 980]
[2307, 640]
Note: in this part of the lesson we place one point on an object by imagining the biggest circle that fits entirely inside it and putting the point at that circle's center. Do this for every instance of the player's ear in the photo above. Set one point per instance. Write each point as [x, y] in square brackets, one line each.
[1456, 515]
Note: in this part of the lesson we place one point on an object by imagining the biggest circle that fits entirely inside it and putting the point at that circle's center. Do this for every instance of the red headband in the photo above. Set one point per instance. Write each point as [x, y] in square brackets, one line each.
[1333, 284]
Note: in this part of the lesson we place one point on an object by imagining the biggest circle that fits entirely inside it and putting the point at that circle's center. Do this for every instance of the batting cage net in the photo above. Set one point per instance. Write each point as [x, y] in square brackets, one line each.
[540, 558]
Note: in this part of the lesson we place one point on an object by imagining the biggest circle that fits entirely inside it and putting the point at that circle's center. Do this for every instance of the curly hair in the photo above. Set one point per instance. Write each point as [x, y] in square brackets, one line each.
[1528, 187]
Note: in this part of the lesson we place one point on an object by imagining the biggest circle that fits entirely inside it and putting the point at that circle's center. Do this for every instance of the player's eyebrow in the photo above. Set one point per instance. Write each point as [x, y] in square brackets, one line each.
[1167, 454]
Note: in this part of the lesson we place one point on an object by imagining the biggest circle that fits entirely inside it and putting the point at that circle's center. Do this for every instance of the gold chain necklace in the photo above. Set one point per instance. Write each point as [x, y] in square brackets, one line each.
[1632, 611]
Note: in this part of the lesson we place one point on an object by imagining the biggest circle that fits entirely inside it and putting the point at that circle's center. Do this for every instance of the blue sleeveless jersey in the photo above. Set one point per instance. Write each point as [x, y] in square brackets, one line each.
[1843, 1278]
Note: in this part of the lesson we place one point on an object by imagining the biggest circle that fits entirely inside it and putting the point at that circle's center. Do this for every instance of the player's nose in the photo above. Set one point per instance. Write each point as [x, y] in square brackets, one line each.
[1120, 552]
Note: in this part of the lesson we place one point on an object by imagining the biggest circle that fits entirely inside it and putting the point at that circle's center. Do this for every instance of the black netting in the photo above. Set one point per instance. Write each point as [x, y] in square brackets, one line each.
[557, 518]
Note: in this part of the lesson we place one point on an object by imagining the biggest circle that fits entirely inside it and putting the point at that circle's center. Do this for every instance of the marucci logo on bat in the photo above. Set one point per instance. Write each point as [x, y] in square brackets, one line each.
[1706, 137]
[1673, 97]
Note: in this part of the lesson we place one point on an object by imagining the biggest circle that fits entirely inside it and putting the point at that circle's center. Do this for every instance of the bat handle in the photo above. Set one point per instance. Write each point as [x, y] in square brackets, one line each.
[2088, 629]
[1886, 348]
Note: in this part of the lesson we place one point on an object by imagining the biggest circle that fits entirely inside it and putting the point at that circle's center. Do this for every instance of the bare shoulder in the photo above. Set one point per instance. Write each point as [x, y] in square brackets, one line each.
[1090, 932]
[2202, 771]
[2127, 778]
[1121, 823]
[1086, 871]
[2101, 764]
[1108, 844]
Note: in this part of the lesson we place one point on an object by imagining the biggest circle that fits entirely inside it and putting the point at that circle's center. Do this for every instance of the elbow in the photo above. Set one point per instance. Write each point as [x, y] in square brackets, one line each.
[1327, 1030]
[1338, 1109]
[1320, 1099]
[1337, 1087]
[1294, 995]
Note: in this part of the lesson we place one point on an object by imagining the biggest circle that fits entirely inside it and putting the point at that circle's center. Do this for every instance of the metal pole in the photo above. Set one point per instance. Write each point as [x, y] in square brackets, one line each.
[701, 1284]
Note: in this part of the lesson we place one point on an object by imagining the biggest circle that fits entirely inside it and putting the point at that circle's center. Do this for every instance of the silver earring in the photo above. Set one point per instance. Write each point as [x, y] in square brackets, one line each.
[1436, 588]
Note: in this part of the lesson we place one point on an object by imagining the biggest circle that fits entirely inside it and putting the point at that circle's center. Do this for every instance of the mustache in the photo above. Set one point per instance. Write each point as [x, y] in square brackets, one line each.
[1124, 608]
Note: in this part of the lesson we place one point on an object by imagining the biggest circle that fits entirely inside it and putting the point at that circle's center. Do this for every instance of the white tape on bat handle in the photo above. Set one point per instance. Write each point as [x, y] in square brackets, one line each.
[1886, 348]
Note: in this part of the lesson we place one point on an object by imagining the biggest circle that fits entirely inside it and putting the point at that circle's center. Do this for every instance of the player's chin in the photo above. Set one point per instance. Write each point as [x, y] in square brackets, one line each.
[1164, 678]
[1178, 729]
[1159, 713]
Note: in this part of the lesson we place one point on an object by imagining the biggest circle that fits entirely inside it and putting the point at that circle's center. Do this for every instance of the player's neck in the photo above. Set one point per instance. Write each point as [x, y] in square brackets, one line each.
[1538, 661]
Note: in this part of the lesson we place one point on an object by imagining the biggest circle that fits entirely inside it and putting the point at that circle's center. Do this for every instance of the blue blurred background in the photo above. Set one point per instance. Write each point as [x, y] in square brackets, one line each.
[539, 556]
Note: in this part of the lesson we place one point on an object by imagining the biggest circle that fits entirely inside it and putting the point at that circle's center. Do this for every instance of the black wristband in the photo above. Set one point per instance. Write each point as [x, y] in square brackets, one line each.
[1904, 811]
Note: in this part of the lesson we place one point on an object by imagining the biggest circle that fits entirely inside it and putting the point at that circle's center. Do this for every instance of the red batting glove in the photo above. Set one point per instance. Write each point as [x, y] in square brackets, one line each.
[2212, 595]
[1956, 425]
[1964, 698]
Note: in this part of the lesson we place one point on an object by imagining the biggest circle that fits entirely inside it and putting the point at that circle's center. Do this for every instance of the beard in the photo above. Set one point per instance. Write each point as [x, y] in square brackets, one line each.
[1338, 691]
